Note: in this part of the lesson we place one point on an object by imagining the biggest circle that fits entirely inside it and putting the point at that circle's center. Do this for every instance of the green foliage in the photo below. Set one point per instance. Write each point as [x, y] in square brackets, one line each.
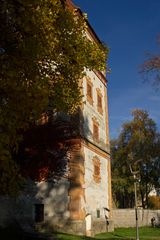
[119, 233]
[122, 181]
[130, 234]
[43, 54]
[138, 140]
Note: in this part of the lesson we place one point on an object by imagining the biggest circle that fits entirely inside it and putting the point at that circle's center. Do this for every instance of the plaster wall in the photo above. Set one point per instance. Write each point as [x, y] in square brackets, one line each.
[90, 111]
[96, 194]
[22, 210]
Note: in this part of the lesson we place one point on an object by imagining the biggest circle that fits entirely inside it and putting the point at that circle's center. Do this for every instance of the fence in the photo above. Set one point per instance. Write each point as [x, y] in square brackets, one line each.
[126, 217]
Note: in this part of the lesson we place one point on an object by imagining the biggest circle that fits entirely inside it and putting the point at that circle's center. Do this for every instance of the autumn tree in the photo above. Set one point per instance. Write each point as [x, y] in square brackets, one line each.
[122, 181]
[151, 67]
[43, 53]
[140, 139]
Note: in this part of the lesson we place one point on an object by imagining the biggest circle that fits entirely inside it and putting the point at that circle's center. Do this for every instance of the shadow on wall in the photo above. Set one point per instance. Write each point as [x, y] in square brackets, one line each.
[87, 132]
[46, 156]
[41, 206]
[50, 160]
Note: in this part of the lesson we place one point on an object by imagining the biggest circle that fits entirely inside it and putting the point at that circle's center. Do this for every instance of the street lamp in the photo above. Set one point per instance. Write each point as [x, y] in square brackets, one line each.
[136, 180]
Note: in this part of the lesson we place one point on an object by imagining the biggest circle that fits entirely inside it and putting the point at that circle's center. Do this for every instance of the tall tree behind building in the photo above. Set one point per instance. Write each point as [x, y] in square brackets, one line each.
[139, 138]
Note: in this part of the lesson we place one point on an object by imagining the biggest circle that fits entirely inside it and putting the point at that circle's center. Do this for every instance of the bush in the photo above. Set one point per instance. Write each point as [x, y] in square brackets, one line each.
[154, 202]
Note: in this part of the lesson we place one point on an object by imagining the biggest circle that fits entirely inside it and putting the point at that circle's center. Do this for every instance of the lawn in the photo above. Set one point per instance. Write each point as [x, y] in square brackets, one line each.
[130, 233]
[145, 233]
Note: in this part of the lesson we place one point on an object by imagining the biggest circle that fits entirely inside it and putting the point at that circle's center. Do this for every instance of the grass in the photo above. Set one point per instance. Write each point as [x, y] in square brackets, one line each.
[145, 233]
[130, 233]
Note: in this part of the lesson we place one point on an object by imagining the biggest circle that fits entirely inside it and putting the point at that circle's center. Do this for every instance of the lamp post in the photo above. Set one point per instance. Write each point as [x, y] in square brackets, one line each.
[134, 173]
[136, 208]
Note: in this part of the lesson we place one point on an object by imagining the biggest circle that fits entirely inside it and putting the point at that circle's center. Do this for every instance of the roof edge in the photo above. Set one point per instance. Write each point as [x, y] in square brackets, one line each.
[93, 34]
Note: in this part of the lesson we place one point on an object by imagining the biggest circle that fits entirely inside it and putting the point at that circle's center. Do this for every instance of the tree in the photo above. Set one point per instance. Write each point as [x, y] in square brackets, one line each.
[122, 181]
[46, 149]
[43, 53]
[140, 139]
[151, 67]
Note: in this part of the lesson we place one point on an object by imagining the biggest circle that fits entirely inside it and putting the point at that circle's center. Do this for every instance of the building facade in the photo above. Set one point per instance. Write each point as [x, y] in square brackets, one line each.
[81, 201]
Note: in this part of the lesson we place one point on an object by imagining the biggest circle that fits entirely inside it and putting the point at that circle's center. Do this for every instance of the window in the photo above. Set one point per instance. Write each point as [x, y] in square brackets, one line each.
[39, 212]
[89, 91]
[95, 131]
[98, 213]
[96, 170]
[99, 102]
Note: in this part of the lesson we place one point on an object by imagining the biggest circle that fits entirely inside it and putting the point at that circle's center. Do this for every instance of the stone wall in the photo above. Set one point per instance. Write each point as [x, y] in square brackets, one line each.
[126, 217]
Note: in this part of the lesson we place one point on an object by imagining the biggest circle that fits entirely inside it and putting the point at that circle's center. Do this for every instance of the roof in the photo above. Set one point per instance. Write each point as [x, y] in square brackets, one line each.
[90, 29]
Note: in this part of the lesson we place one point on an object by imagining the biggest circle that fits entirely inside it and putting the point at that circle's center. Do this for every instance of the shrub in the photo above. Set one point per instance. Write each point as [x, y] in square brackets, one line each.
[154, 202]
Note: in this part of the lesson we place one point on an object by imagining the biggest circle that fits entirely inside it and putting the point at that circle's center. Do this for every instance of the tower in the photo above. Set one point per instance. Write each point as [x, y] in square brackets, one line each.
[81, 200]
[90, 171]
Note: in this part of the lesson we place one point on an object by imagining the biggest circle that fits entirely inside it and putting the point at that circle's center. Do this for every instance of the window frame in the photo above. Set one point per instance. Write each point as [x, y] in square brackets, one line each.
[99, 100]
[98, 213]
[89, 90]
[95, 130]
[96, 169]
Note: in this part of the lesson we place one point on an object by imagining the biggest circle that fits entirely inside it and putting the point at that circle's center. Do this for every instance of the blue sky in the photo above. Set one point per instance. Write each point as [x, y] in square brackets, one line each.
[130, 29]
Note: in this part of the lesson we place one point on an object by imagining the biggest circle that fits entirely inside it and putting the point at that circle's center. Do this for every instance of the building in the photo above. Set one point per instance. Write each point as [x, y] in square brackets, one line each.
[81, 201]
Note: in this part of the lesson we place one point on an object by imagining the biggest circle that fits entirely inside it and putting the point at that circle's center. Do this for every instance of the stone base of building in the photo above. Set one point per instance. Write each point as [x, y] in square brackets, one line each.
[75, 227]
[110, 226]
[78, 227]
[100, 226]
